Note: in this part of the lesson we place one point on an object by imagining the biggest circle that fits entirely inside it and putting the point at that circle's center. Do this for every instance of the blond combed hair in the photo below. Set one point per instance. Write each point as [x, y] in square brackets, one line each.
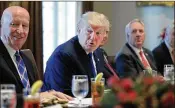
[93, 18]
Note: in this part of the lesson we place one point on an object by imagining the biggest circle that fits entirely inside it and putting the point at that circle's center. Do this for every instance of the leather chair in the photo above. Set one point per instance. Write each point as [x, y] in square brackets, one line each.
[111, 60]
[29, 54]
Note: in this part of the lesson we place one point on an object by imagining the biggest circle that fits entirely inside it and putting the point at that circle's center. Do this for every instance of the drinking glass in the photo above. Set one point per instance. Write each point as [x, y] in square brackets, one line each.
[8, 96]
[31, 101]
[150, 72]
[97, 90]
[80, 87]
[169, 72]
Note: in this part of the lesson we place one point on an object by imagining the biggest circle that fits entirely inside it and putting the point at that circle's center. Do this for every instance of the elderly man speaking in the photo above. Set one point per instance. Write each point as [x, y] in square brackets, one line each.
[76, 57]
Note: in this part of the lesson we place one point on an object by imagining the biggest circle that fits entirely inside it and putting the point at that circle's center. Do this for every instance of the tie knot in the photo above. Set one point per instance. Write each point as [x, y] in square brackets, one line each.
[141, 52]
[17, 54]
[90, 55]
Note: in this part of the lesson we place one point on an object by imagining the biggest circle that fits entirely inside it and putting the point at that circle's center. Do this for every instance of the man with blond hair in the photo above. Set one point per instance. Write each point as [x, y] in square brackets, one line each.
[76, 57]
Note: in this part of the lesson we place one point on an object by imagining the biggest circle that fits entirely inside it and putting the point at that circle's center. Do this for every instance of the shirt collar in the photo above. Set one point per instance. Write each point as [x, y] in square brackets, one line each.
[10, 50]
[137, 51]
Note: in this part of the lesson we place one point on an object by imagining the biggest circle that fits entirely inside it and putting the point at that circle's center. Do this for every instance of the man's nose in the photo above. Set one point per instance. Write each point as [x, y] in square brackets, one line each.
[20, 29]
[138, 34]
[93, 35]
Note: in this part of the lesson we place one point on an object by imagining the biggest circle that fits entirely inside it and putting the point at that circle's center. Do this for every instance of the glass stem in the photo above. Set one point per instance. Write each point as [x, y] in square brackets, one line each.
[79, 104]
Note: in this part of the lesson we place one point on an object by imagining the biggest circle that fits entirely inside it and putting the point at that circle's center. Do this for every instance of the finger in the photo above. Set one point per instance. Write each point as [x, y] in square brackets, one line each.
[69, 97]
[61, 95]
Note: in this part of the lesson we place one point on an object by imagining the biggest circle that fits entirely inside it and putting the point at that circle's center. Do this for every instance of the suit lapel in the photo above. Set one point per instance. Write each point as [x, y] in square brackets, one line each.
[167, 54]
[83, 58]
[28, 68]
[149, 59]
[134, 55]
[9, 61]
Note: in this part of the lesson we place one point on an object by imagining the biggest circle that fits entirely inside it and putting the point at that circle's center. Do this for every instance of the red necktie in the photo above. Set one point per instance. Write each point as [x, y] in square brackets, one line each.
[110, 68]
[144, 61]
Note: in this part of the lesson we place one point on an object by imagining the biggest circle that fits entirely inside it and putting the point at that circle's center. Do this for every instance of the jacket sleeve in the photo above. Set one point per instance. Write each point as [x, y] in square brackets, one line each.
[125, 66]
[58, 72]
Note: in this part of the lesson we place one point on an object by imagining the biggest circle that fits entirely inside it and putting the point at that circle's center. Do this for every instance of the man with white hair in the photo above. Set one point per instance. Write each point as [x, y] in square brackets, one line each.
[76, 57]
[165, 52]
[15, 67]
[133, 58]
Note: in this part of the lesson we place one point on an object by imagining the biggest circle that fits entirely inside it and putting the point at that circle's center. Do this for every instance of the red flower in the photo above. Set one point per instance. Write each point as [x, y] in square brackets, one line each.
[148, 80]
[127, 96]
[168, 99]
[113, 82]
[126, 84]
[122, 96]
[132, 95]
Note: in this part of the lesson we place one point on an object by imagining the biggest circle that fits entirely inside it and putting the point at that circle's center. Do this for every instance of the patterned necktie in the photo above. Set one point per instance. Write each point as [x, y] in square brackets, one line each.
[22, 71]
[92, 64]
[144, 61]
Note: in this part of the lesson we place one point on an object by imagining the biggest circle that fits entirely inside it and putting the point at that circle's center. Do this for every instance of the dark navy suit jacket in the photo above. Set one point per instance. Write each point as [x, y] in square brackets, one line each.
[128, 63]
[162, 56]
[67, 60]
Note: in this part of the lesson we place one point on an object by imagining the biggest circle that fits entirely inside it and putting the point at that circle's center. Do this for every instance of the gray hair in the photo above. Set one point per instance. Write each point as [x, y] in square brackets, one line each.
[6, 19]
[168, 30]
[128, 27]
[94, 18]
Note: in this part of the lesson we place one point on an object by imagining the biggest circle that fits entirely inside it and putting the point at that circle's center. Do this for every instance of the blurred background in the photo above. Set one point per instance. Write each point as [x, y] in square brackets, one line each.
[53, 23]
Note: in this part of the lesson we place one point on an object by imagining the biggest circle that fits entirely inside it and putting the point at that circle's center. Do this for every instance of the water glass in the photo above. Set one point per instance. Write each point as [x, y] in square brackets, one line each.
[80, 87]
[150, 72]
[169, 72]
[8, 96]
[31, 101]
[97, 90]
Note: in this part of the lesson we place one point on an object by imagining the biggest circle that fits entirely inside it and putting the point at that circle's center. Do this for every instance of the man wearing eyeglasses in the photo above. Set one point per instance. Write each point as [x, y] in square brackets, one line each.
[76, 57]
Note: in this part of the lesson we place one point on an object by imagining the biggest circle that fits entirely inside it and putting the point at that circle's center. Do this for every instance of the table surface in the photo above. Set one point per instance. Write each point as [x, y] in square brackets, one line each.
[87, 102]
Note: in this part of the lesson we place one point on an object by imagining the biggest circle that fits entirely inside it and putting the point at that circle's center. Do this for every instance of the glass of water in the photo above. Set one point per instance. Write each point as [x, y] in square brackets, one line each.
[169, 72]
[8, 96]
[150, 72]
[80, 87]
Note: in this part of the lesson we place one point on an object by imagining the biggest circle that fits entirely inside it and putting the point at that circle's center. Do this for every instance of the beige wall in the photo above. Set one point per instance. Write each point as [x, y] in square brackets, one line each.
[119, 16]
[120, 13]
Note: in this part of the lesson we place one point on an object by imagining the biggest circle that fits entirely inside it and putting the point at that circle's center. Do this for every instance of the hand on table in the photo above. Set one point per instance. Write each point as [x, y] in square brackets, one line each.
[55, 94]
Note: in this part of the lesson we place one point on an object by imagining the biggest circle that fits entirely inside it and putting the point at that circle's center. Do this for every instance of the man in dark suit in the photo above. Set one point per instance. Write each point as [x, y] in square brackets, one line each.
[14, 32]
[16, 67]
[72, 57]
[132, 59]
[164, 53]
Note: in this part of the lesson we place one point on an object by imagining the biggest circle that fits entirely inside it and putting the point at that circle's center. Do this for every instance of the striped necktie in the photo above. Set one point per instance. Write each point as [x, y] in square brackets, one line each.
[22, 70]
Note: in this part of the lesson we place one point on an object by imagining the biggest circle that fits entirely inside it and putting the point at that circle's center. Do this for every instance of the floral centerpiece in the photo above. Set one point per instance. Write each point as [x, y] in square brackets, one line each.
[144, 92]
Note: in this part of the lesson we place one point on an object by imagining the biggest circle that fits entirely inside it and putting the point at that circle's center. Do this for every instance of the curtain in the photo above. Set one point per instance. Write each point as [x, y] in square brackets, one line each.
[87, 6]
[35, 39]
